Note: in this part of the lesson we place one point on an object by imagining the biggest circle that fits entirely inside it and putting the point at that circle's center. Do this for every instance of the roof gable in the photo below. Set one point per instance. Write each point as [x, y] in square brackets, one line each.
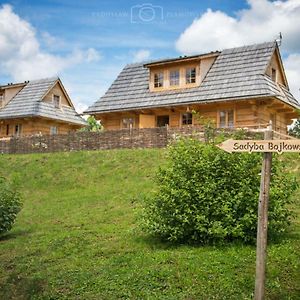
[28, 103]
[58, 88]
[276, 63]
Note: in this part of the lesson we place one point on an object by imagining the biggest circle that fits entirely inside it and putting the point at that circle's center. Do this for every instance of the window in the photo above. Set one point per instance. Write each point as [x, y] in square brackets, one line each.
[187, 119]
[56, 101]
[190, 75]
[174, 77]
[18, 129]
[1, 101]
[226, 119]
[274, 74]
[158, 80]
[127, 123]
[162, 121]
[7, 129]
[53, 130]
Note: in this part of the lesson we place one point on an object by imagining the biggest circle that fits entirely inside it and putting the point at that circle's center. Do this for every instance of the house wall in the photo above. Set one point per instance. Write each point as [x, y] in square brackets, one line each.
[246, 114]
[57, 90]
[205, 65]
[32, 126]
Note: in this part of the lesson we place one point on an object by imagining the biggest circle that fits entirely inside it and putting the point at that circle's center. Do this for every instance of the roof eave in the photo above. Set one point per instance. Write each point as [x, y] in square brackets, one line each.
[43, 117]
[241, 98]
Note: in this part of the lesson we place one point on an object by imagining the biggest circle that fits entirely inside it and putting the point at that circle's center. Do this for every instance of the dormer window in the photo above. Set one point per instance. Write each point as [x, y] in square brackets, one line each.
[158, 79]
[190, 75]
[56, 101]
[174, 77]
[274, 75]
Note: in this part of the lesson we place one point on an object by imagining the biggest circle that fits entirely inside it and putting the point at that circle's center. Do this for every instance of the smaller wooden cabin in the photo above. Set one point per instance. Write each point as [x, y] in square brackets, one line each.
[37, 107]
[237, 88]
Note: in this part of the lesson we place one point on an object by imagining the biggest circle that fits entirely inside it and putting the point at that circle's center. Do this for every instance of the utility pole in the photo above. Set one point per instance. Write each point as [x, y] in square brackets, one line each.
[262, 222]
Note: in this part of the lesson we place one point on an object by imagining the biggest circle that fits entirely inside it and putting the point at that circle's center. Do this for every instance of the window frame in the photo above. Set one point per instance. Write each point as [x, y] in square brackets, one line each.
[130, 123]
[54, 98]
[52, 131]
[228, 123]
[187, 119]
[188, 75]
[274, 74]
[18, 129]
[158, 80]
[174, 77]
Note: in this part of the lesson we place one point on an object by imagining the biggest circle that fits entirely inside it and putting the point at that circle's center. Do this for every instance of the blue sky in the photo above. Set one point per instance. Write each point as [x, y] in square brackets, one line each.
[88, 42]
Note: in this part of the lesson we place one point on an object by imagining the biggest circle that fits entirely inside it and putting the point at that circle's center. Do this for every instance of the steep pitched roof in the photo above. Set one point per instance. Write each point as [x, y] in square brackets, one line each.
[237, 73]
[28, 103]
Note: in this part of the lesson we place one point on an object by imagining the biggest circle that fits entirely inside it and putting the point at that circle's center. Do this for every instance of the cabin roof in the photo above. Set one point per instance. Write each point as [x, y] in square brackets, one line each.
[28, 103]
[236, 74]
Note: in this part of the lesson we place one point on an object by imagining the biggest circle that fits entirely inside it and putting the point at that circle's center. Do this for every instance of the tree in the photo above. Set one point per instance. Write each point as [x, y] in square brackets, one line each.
[92, 126]
[295, 130]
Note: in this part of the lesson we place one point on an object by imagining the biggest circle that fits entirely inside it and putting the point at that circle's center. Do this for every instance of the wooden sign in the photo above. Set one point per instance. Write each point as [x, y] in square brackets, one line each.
[267, 146]
[278, 146]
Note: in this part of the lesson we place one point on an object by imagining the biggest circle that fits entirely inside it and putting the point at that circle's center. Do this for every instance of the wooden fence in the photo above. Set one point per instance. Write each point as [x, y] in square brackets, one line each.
[117, 139]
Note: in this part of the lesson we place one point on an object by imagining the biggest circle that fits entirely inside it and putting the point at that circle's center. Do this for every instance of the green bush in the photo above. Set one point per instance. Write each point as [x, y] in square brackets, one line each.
[10, 205]
[207, 195]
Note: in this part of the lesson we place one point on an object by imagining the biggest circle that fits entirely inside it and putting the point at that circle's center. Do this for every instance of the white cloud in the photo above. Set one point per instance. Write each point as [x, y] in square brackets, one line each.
[21, 56]
[92, 55]
[52, 42]
[215, 30]
[261, 22]
[292, 68]
[141, 55]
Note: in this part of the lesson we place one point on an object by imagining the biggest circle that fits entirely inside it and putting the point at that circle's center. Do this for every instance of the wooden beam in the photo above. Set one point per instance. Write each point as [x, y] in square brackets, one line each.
[275, 106]
[293, 115]
[284, 110]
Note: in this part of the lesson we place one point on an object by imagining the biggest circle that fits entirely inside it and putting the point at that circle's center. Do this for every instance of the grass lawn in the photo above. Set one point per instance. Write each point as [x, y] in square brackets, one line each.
[76, 237]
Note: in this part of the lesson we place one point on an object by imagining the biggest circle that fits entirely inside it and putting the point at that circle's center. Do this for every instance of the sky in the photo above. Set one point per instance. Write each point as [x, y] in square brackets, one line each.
[87, 42]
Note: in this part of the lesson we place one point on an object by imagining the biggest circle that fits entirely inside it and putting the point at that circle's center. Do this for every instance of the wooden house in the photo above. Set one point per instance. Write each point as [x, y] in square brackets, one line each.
[37, 107]
[237, 88]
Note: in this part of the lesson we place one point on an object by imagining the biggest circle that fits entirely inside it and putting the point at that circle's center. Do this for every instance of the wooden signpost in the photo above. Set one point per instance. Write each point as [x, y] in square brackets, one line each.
[267, 146]
[278, 146]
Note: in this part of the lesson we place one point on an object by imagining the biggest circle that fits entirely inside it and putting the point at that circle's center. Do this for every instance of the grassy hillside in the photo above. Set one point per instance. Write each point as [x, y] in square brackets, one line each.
[76, 237]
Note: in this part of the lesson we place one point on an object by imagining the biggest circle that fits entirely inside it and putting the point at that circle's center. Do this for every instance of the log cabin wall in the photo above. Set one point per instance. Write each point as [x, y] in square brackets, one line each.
[252, 113]
[33, 126]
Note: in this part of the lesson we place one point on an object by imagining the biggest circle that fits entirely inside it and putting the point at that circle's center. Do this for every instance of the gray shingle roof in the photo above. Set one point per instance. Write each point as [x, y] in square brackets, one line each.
[237, 73]
[28, 103]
